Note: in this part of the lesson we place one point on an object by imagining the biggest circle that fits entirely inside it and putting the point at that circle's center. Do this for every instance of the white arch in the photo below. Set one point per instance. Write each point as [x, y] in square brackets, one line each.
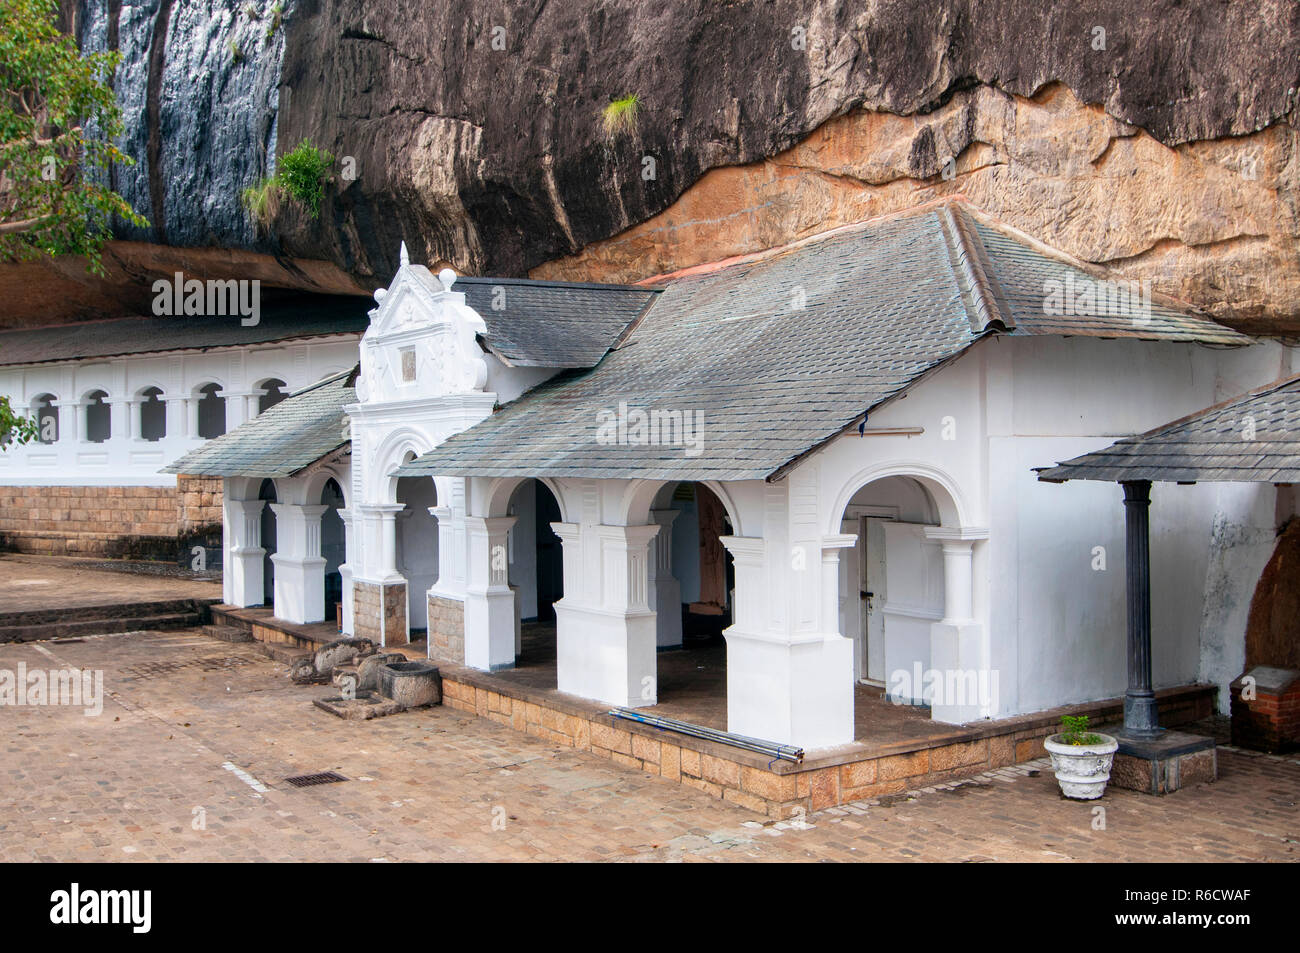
[645, 495]
[388, 456]
[947, 494]
[138, 392]
[316, 484]
[208, 379]
[501, 489]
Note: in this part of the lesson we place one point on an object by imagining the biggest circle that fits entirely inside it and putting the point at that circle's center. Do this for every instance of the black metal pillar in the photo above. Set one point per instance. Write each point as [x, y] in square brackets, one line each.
[1141, 717]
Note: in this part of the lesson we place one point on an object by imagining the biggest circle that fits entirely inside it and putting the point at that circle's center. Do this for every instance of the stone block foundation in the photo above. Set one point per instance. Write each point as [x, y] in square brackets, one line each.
[379, 612]
[781, 789]
[1165, 764]
[129, 522]
[446, 628]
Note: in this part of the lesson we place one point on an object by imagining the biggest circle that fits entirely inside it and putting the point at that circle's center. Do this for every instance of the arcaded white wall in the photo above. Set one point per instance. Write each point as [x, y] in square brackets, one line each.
[126, 459]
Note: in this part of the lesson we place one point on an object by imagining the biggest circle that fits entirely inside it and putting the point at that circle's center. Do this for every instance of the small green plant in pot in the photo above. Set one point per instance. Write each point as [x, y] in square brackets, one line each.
[1081, 758]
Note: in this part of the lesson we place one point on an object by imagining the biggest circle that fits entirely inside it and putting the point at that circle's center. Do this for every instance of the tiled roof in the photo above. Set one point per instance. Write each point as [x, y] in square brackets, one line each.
[529, 323]
[780, 352]
[303, 316]
[1250, 439]
[280, 441]
[552, 323]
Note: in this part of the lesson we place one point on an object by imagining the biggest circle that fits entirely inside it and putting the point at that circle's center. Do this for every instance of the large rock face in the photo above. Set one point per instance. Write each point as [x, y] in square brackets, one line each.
[1211, 222]
[473, 129]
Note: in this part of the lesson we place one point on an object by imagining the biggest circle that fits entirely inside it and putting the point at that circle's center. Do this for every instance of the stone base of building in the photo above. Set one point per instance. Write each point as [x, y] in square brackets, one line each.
[446, 628]
[784, 789]
[116, 522]
[379, 612]
[1165, 764]
[1266, 709]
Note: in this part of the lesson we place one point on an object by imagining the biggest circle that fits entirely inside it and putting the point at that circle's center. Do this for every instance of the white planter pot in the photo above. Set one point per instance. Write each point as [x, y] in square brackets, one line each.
[1082, 770]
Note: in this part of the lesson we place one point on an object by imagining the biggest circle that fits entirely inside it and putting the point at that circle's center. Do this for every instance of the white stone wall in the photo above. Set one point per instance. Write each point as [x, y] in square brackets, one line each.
[126, 459]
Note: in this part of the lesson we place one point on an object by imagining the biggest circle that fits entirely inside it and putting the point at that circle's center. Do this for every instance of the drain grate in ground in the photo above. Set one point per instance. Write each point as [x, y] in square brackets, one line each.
[307, 780]
[216, 663]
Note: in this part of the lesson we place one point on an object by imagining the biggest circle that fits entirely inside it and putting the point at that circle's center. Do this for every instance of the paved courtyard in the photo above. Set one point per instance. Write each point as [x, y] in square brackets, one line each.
[189, 757]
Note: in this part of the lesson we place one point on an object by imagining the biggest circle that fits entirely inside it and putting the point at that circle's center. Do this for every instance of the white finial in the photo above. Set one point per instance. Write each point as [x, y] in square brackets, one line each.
[447, 278]
[404, 256]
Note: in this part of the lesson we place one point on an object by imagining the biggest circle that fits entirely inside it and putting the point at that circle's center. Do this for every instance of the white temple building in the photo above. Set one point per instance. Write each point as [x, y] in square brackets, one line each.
[828, 449]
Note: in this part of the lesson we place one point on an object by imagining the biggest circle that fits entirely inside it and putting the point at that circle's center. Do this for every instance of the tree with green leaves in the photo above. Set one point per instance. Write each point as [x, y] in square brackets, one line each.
[13, 428]
[58, 122]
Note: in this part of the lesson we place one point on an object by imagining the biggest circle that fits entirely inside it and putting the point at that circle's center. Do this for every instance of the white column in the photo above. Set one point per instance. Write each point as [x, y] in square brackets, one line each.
[119, 424]
[788, 682]
[237, 408]
[243, 577]
[132, 430]
[490, 614]
[299, 566]
[445, 584]
[605, 628]
[665, 589]
[177, 417]
[965, 688]
[345, 571]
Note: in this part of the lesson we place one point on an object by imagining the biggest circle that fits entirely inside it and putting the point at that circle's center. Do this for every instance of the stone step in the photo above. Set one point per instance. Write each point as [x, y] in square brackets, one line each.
[116, 610]
[228, 633]
[80, 627]
[280, 653]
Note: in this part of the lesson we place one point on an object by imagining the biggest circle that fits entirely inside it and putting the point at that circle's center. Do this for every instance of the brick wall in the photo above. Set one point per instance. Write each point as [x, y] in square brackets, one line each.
[366, 622]
[198, 504]
[447, 628]
[141, 522]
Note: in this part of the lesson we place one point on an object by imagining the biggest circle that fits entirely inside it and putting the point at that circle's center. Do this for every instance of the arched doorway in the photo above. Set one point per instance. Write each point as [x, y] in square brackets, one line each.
[536, 569]
[891, 586]
[267, 493]
[333, 545]
[692, 589]
[99, 419]
[209, 411]
[417, 547]
[153, 414]
[273, 390]
[700, 563]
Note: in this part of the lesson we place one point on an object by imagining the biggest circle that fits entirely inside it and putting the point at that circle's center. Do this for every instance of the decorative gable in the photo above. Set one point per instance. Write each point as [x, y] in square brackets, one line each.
[422, 340]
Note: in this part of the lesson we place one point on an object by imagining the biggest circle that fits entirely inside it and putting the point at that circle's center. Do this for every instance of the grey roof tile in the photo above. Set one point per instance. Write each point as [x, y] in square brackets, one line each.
[280, 441]
[883, 303]
[302, 317]
[1254, 438]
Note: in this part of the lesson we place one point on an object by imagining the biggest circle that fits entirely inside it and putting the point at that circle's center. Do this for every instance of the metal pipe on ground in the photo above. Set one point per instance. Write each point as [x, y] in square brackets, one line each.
[771, 749]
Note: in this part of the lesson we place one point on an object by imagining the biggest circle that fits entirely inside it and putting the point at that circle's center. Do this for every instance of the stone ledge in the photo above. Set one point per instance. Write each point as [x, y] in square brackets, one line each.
[776, 789]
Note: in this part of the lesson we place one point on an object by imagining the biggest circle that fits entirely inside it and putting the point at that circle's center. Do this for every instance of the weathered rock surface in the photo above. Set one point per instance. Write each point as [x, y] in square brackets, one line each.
[473, 129]
[1213, 223]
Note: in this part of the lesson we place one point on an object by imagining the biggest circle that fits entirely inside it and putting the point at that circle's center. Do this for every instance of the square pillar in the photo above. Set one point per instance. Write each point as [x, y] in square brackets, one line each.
[963, 687]
[665, 589]
[243, 576]
[606, 632]
[378, 599]
[490, 614]
[345, 572]
[177, 416]
[785, 684]
[299, 566]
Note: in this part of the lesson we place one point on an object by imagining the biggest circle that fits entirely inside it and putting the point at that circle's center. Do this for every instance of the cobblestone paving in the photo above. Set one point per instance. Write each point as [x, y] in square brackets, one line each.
[189, 758]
